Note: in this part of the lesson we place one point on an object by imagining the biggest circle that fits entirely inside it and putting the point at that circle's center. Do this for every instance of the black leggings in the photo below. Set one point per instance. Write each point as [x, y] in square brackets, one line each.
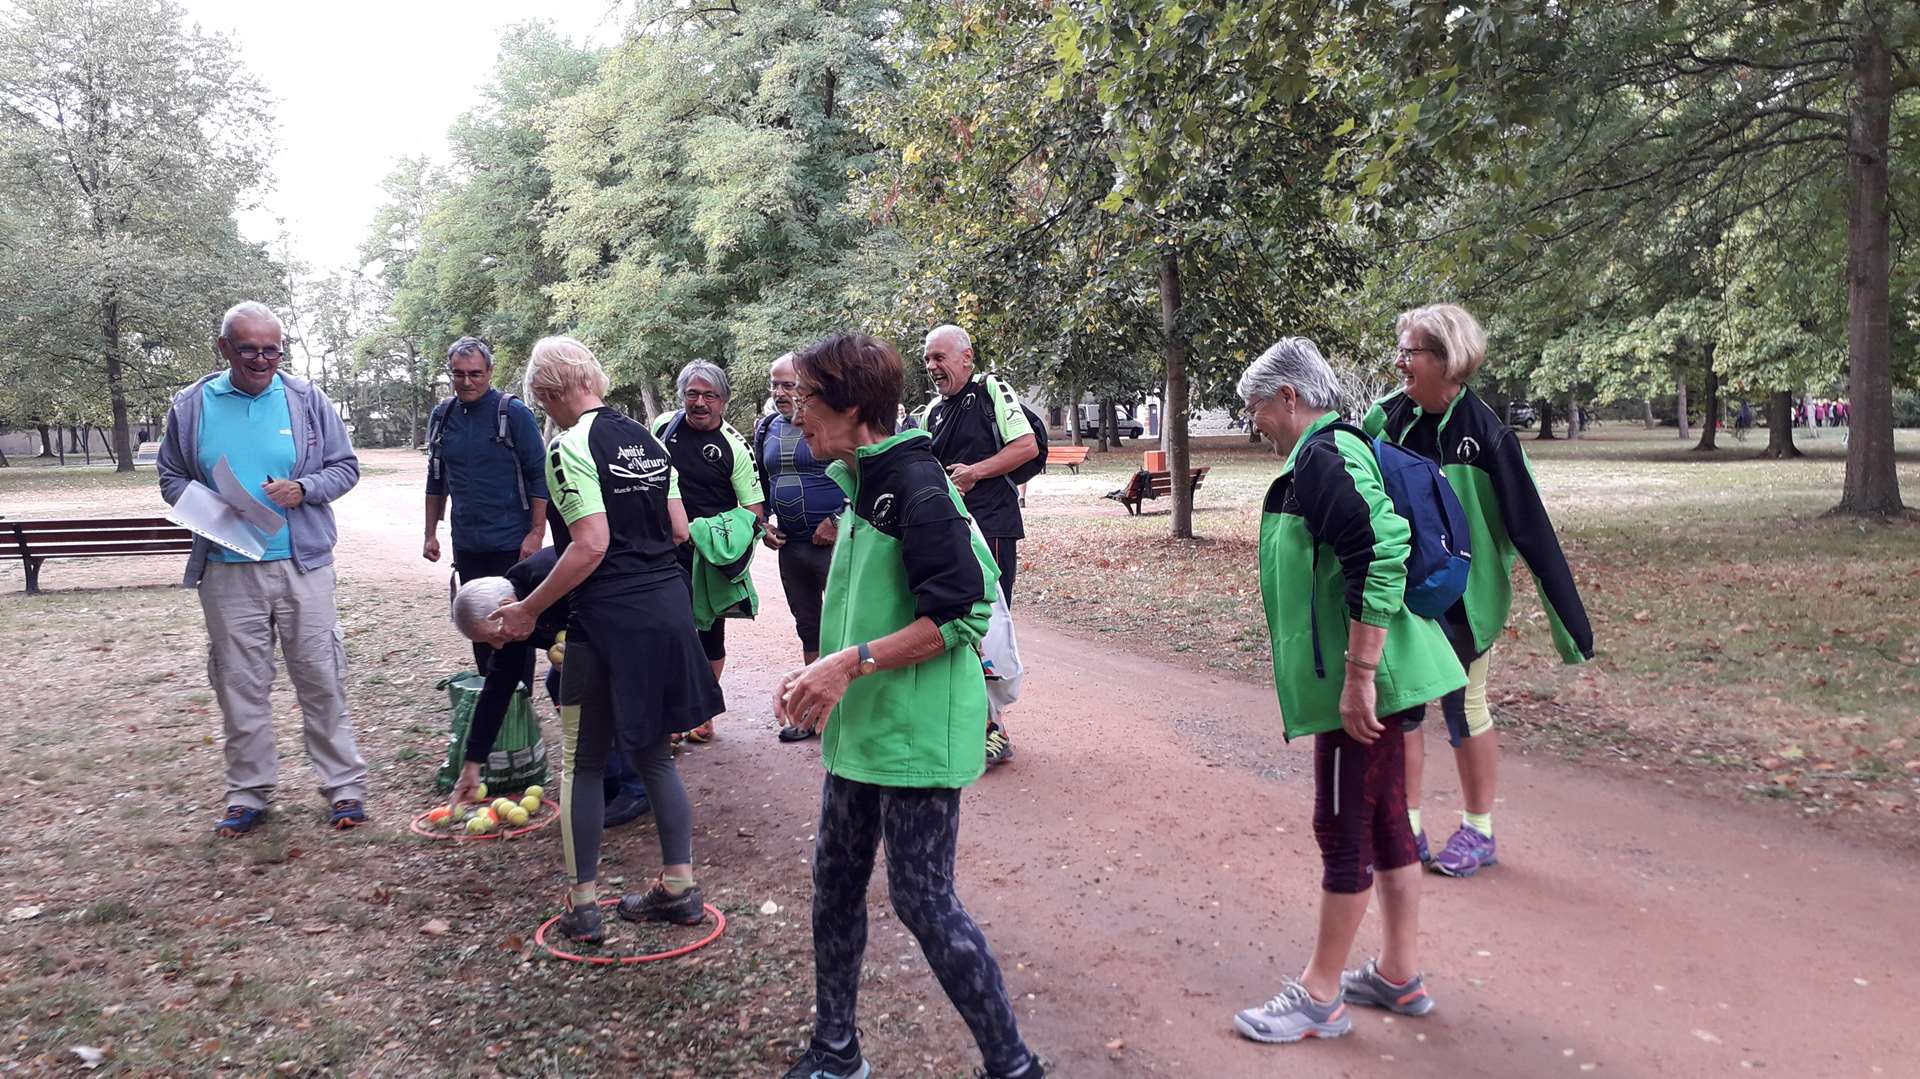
[588, 735]
[1006, 554]
[921, 827]
[803, 574]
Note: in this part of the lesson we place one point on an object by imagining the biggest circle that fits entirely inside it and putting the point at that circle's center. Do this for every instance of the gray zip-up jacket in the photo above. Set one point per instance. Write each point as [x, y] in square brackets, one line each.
[323, 463]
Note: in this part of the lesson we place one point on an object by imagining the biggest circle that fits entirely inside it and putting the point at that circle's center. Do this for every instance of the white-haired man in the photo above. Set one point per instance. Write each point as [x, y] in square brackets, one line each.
[285, 442]
[980, 433]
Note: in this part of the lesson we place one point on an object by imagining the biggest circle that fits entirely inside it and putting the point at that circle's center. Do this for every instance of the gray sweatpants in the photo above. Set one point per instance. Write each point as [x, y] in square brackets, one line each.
[248, 605]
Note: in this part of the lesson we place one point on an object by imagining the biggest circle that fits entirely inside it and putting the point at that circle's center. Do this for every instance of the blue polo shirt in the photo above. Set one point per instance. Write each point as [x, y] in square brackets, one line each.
[479, 473]
[255, 435]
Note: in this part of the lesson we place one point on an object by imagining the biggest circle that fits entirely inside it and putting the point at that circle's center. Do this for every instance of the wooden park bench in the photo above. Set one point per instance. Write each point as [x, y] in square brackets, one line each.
[1071, 456]
[1145, 485]
[33, 542]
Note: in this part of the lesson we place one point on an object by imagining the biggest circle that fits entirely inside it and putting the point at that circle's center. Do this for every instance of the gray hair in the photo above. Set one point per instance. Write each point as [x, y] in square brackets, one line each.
[714, 374]
[467, 346]
[476, 600]
[1296, 362]
[249, 309]
[962, 342]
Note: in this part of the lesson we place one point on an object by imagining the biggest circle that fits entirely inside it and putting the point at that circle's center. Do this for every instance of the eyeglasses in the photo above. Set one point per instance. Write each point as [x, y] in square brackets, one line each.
[249, 352]
[800, 397]
[782, 385]
[703, 395]
[1403, 353]
[459, 375]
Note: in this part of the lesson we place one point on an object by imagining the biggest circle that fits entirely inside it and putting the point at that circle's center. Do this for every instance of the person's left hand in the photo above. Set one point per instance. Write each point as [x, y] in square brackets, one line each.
[824, 532]
[805, 697]
[963, 477]
[285, 493]
[515, 622]
[464, 787]
[531, 545]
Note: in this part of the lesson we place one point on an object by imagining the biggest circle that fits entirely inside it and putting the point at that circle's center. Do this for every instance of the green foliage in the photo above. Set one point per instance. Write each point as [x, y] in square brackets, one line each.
[128, 140]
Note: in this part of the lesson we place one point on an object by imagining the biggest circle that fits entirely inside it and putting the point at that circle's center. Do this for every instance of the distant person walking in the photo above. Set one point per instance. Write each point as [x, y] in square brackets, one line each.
[1353, 667]
[1435, 414]
[805, 506]
[483, 451]
[286, 444]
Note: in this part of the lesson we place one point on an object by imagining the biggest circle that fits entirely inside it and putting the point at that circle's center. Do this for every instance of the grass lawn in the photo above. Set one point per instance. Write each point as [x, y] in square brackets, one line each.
[1738, 630]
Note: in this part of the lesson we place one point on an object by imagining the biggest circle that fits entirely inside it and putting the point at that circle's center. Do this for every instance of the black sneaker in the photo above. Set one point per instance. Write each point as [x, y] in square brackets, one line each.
[657, 904]
[582, 924]
[627, 808]
[820, 1062]
[999, 746]
[795, 734]
[1033, 1070]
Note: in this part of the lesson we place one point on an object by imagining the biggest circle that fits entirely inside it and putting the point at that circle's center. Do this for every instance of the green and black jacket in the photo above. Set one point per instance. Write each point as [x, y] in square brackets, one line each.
[1490, 475]
[1330, 501]
[907, 550]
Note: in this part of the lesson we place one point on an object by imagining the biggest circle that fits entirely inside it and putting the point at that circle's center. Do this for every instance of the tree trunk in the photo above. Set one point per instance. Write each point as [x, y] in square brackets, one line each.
[46, 441]
[1573, 416]
[1073, 416]
[1110, 415]
[1680, 404]
[1710, 416]
[649, 400]
[86, 441]
[1173, 416]
[116, 388]
[1546, 420]
[1872, 483]
[1648, 401]
[1780, 425]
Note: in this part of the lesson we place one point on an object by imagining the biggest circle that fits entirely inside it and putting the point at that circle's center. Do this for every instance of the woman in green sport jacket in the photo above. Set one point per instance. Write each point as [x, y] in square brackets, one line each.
[1437, 416]
[1346, 652]
[897, 695]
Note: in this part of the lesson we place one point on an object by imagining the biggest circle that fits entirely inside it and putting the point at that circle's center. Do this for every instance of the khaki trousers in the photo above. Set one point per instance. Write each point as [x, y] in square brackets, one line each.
[248, 605]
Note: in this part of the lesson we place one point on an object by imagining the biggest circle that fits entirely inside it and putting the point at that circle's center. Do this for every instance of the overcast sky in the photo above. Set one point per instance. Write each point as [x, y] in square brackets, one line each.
[359, 83]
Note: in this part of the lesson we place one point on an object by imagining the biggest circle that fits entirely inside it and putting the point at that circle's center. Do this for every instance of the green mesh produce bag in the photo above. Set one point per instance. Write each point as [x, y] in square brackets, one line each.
[519, 757]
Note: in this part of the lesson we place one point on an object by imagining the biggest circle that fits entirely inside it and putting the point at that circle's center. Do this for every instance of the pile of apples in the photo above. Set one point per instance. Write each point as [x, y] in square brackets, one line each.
[482, 817]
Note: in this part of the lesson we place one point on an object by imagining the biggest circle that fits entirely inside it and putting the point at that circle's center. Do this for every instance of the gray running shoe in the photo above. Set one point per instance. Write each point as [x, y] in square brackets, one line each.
[1294, 1015]
[656, 904]
[1367, 988]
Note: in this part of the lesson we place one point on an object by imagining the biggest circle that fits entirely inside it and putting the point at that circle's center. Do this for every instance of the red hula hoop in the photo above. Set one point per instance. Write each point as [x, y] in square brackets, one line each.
[719, 927]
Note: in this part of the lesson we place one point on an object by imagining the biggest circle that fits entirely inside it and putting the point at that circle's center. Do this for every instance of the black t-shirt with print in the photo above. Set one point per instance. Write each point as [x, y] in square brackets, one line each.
[608, 463]
[715, 467]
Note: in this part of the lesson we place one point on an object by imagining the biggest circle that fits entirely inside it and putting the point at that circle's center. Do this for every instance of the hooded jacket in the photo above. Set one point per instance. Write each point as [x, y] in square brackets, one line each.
[323, 463]
[1489, 473]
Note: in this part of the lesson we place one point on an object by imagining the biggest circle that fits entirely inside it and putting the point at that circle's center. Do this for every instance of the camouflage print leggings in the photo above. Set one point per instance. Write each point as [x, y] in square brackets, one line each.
[921, 827]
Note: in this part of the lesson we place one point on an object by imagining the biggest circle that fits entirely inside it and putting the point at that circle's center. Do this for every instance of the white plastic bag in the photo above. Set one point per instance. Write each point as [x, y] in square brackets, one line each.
[1000, 659]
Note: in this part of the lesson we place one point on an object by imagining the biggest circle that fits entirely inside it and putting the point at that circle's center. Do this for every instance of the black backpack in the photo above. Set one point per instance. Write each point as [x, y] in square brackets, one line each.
[1026, 470]
[502, 436]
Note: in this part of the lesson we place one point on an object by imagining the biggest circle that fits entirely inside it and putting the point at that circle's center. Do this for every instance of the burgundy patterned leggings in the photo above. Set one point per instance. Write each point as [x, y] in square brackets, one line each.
[1360, 806]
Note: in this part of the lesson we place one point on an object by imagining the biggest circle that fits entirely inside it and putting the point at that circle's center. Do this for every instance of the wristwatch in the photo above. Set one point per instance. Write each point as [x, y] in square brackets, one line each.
[867, 664]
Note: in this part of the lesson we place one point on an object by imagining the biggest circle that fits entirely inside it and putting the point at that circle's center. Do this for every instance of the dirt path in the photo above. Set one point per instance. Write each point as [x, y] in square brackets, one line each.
[1146, 866]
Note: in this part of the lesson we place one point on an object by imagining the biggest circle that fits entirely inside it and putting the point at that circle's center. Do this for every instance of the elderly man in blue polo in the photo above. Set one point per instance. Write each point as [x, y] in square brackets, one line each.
[286, 445]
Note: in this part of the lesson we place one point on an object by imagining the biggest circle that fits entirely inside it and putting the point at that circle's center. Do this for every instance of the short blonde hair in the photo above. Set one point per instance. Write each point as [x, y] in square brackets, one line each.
[561, 365]
[1450, 329]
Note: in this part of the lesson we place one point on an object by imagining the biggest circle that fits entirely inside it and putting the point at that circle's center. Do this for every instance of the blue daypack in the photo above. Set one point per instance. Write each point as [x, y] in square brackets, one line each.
[1441, 547]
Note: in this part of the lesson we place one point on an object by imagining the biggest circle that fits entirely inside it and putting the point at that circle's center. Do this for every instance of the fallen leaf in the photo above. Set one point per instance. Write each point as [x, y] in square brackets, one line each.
[1643, 616]
[435, 927]
[1117, 1044]
[315, 928]
[769, 907]
[90, 1057]
[21, 914]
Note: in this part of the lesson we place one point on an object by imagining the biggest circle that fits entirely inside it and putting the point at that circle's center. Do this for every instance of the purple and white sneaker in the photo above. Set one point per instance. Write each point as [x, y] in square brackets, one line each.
[1420, 845]
[1467, 853]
